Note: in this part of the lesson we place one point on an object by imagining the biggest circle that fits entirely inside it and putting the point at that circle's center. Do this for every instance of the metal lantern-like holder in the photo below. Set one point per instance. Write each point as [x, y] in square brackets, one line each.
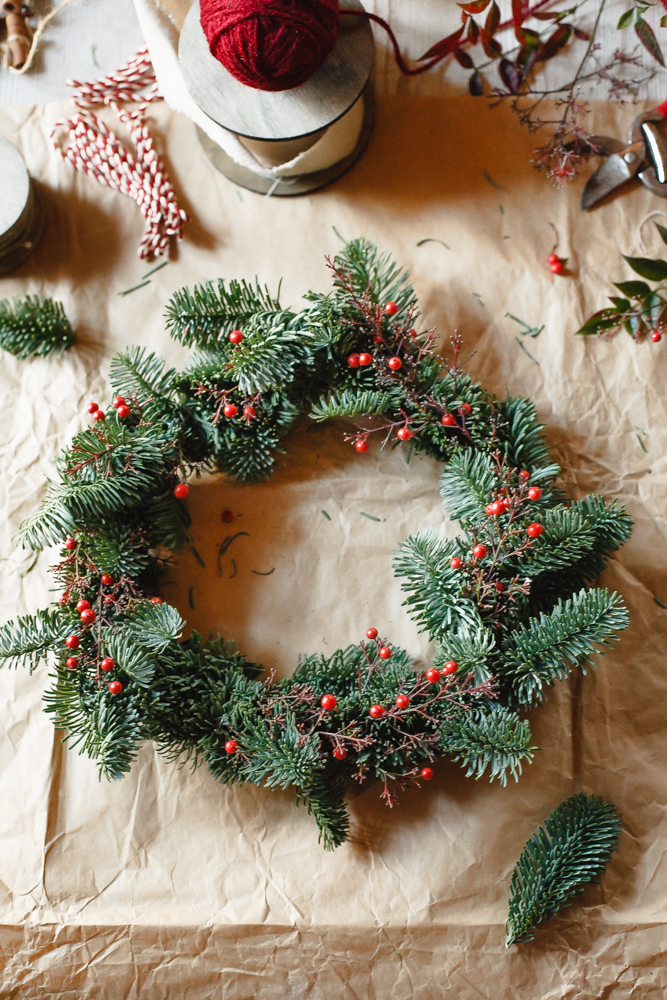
[301, 139]
[20, 216]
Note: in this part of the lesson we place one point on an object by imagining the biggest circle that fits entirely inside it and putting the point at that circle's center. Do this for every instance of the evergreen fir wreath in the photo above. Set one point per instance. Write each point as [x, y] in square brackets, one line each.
[507, 602]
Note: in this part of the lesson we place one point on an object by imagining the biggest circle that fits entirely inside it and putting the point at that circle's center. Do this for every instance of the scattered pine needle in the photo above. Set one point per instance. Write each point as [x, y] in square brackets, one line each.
[134, 288]
[325, 514]
[661, 603]
[527, 352]
[258, 573]
[198, 557]
[487, 176]
[191, 600]
[153, 270]
[371, 517]
[432, 239]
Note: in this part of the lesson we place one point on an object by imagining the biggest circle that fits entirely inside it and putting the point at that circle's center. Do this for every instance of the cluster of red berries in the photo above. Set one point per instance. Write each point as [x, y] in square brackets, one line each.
[119, 404]
[556, 263]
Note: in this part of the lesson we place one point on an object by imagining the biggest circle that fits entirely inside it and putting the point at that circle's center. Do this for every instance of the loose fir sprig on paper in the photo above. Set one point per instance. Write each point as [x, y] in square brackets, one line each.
[33, 327]
[640, 308]
[507, 601]
[571, 849]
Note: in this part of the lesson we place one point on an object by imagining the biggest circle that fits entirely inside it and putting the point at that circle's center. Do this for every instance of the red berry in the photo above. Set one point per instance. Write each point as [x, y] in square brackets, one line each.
[328, 702]
[500, 586]
[412, 333]
[82, 605]
[181, 490]
[72, 662]
[479, 551]
[231, 746]
[448, 419]
[115, 687]
[227, 516]
[88, 616]
[361, 444]
[656, 336]
[340, 753]
[426, 773]
[385, 653]
[376, 711]
[378, 338]
[557, 267]
[465, 408]
[371, 633]
[365, 359]
[230, 410]
[535, 529]
[235, 337]
[72, 642]
[433, 675]
[562, 172]
[118, 401]
[107, 663]
[249, 411]
[70, 543]
[552, 258]
[109, 599]
[156, 600]
[123, 412]
[354, 360]
[534, 493]
[391, 308]
[506, 502]
[524, 475]
[395, 363]
[107, 580]
[99, 415]
[93, 407]
[450, 667]
[402, 701]
[404, 433]
[455, 562]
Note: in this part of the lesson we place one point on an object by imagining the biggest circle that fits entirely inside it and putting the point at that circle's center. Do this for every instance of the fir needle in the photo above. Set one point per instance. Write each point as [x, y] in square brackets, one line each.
[526, 351]
[158, 268]
[371, 517]
[325, 514]
[134, 288]
[258, 573]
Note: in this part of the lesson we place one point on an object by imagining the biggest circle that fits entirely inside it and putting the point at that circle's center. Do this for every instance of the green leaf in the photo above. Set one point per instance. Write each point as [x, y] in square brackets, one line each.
[662, 229]
[626, 18]
[570, 850]
[622, 305]
[634, 289]
[652, 307]
[645, 35]
[654, 270]
[605, 319]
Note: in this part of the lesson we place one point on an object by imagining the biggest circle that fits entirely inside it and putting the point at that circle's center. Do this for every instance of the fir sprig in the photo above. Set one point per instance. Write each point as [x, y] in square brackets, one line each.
[34, 327]
[570, 850]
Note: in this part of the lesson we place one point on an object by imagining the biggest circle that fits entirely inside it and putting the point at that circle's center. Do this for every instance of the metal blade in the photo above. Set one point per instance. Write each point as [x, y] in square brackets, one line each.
[618, 169]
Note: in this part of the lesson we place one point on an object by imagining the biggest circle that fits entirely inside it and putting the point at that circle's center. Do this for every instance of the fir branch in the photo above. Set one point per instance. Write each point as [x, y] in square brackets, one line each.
[545, 650]
[27, 640]
[34, 328]
[466, 485]
[493, 738]
[205, 316]
[351, 403]
[571, 849]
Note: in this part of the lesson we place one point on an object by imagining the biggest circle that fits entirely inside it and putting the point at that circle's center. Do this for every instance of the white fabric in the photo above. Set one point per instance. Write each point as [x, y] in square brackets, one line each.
[162, 41]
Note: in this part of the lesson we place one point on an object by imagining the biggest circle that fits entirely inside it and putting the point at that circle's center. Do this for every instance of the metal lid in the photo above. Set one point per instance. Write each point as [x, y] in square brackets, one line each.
[286, 114]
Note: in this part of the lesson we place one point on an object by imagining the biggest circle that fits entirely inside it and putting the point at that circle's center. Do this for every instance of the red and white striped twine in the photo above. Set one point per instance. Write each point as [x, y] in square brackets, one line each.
[94, 149]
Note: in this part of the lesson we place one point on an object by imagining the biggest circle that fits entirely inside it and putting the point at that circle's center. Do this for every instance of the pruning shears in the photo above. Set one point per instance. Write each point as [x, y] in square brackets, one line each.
[644, 156]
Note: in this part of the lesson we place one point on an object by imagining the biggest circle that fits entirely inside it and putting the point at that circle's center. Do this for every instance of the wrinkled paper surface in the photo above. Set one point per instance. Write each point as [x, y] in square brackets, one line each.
[168, 885]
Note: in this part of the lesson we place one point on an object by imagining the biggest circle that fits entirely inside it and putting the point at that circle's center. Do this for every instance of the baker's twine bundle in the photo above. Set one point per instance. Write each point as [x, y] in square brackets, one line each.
[95, 150]
[279, 44]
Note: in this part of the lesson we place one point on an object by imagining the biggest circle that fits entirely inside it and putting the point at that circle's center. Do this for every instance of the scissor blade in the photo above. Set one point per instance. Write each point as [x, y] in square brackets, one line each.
[616, 170]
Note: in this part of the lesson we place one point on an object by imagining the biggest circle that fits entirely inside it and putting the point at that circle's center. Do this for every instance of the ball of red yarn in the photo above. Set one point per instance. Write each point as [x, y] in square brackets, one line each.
[271, 44]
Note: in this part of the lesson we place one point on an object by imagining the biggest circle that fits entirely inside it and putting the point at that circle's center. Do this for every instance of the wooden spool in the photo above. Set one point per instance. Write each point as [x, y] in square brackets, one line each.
[297, 118]
[20, 217]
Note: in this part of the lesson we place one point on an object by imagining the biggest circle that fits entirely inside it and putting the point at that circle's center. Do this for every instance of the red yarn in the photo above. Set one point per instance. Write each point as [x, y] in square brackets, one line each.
[271, 44]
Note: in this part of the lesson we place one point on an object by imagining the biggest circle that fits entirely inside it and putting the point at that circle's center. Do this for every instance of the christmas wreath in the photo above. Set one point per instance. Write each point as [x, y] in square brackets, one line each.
[506, 601]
